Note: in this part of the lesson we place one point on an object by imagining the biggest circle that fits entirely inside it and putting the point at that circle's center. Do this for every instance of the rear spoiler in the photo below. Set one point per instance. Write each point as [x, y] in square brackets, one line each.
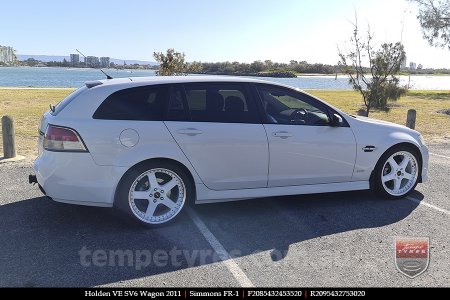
[91, 84]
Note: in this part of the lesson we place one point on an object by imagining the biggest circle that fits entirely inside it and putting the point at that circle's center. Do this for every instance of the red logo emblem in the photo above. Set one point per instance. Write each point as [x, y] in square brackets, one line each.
[412, 255]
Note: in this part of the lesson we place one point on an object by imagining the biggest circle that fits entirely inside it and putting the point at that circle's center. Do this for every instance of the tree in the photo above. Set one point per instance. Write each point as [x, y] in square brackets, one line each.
[257, 66]
[434, 18]
[377, 83]
[171, 63]
[31, 62]
[268, 63]
[195, 67]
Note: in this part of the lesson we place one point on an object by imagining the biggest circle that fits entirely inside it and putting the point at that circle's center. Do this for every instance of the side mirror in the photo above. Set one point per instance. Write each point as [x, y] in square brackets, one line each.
[336, 120]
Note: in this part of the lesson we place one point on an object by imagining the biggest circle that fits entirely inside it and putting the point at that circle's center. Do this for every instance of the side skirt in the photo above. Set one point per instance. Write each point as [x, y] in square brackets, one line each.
[205, 195]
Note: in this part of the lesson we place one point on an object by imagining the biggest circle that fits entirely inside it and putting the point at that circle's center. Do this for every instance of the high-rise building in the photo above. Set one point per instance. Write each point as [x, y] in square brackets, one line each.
[104, 62]
[92, 61]
[7, 54]
[74, 60]
[403, 64]
[412, 65]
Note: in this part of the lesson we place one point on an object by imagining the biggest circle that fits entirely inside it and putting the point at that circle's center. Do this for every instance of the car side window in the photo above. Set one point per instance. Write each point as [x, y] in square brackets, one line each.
[177, 110]
[284, 106]
[144, 103]
[220, 102]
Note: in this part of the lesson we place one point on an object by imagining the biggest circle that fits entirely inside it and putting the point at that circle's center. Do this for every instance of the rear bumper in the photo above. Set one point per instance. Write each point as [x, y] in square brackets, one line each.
[75, 178]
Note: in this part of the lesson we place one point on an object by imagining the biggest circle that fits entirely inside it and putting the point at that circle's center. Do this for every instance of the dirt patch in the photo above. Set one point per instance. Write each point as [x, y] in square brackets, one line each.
[445, 111]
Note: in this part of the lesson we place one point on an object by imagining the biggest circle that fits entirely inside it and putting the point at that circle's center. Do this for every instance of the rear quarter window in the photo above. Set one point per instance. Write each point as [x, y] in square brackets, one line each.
[145, 103]
[220, 102]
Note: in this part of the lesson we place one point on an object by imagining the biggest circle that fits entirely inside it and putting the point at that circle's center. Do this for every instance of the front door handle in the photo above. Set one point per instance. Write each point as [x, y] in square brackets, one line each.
[190, 131]
[282, 134]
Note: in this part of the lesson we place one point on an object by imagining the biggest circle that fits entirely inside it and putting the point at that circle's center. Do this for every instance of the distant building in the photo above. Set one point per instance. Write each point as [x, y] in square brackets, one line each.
[92, 61]
[412, 65]
[104, 62]
[419, 67]
[7, 55]
[74, 60]
[403, 64]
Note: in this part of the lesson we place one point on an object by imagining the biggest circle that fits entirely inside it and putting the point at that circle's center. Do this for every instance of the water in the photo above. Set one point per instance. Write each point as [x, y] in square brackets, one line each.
[59, 77]
[66, 77]
[341, 82]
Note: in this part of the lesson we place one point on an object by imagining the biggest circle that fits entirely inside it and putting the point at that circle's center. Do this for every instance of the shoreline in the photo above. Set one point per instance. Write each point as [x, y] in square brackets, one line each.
[303, 89]
[402, 73]
[61, 78]
[35, 88]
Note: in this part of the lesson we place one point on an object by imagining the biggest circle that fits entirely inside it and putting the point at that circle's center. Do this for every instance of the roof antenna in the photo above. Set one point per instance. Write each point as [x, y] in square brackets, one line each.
[107, 76]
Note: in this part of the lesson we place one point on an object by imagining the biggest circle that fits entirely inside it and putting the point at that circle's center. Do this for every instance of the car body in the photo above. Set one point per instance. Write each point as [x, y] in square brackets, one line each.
[228, 138]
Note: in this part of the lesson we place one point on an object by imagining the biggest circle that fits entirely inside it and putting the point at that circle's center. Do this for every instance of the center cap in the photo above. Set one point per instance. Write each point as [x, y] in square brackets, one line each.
[399, 173]
[157, 195]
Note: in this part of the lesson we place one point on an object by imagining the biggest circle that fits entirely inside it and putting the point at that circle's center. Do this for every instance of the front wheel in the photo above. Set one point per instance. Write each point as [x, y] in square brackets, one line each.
[397, 172]
[154, 193]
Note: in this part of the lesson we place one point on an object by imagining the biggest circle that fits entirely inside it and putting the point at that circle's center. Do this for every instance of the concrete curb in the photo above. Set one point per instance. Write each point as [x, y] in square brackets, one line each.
[6, 160]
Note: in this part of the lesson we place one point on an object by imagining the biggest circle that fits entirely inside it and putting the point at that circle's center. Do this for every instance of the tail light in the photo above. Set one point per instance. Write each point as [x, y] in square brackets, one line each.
[59, 138]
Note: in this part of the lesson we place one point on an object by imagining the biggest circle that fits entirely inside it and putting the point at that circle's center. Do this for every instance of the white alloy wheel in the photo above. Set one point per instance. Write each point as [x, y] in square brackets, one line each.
[399, 173]
[157, 196]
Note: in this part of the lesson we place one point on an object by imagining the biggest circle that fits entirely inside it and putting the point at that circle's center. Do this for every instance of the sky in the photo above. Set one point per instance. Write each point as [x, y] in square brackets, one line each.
[211, 30]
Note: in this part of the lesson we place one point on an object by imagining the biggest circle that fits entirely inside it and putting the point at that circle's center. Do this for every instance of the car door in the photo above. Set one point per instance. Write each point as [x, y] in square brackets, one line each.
[304, 148]
[218, 127]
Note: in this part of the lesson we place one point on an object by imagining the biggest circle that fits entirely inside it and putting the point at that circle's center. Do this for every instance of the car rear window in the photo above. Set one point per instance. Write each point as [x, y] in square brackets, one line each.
[145, 103]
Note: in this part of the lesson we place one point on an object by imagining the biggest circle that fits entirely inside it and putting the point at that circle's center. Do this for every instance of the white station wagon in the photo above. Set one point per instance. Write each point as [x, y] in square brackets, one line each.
[148, 146]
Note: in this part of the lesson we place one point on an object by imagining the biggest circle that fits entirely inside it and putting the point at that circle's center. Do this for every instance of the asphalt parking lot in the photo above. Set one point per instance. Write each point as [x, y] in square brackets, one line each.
[338, 239]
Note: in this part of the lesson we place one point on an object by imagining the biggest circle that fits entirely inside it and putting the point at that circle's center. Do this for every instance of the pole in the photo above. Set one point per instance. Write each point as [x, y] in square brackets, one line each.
[9, 145]
[411, 118]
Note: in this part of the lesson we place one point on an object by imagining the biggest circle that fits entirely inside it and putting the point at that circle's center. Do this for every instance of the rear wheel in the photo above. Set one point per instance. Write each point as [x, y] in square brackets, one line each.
[397, 172]
[154, 193]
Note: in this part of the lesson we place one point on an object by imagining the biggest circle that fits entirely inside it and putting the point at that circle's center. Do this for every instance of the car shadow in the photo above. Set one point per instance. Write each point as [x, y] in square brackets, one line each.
[276, 223]
[44, 243]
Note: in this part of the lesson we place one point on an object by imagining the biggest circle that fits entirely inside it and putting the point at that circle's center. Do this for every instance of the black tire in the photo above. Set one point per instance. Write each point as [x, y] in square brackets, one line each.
[133, 207]
[387, 190]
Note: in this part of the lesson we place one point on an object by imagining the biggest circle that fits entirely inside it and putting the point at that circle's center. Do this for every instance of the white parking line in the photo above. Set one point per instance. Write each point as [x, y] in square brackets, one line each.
[440, 155]
[231, 265]
[428, 205]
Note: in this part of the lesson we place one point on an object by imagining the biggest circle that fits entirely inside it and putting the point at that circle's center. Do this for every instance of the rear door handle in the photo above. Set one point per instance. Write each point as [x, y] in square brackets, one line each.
[189, 131]
[282, 134]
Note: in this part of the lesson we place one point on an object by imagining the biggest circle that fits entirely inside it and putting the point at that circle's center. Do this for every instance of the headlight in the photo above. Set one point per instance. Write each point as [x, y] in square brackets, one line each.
[422, 140]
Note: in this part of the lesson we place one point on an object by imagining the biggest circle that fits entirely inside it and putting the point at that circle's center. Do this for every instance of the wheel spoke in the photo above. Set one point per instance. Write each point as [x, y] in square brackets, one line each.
[397, 183]
[152, 180]
[404, 162]
[169, 203]
[408, 176]
[141, 194]
[393, 163]
[170, 185]
[151, 209]
[388, 177]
